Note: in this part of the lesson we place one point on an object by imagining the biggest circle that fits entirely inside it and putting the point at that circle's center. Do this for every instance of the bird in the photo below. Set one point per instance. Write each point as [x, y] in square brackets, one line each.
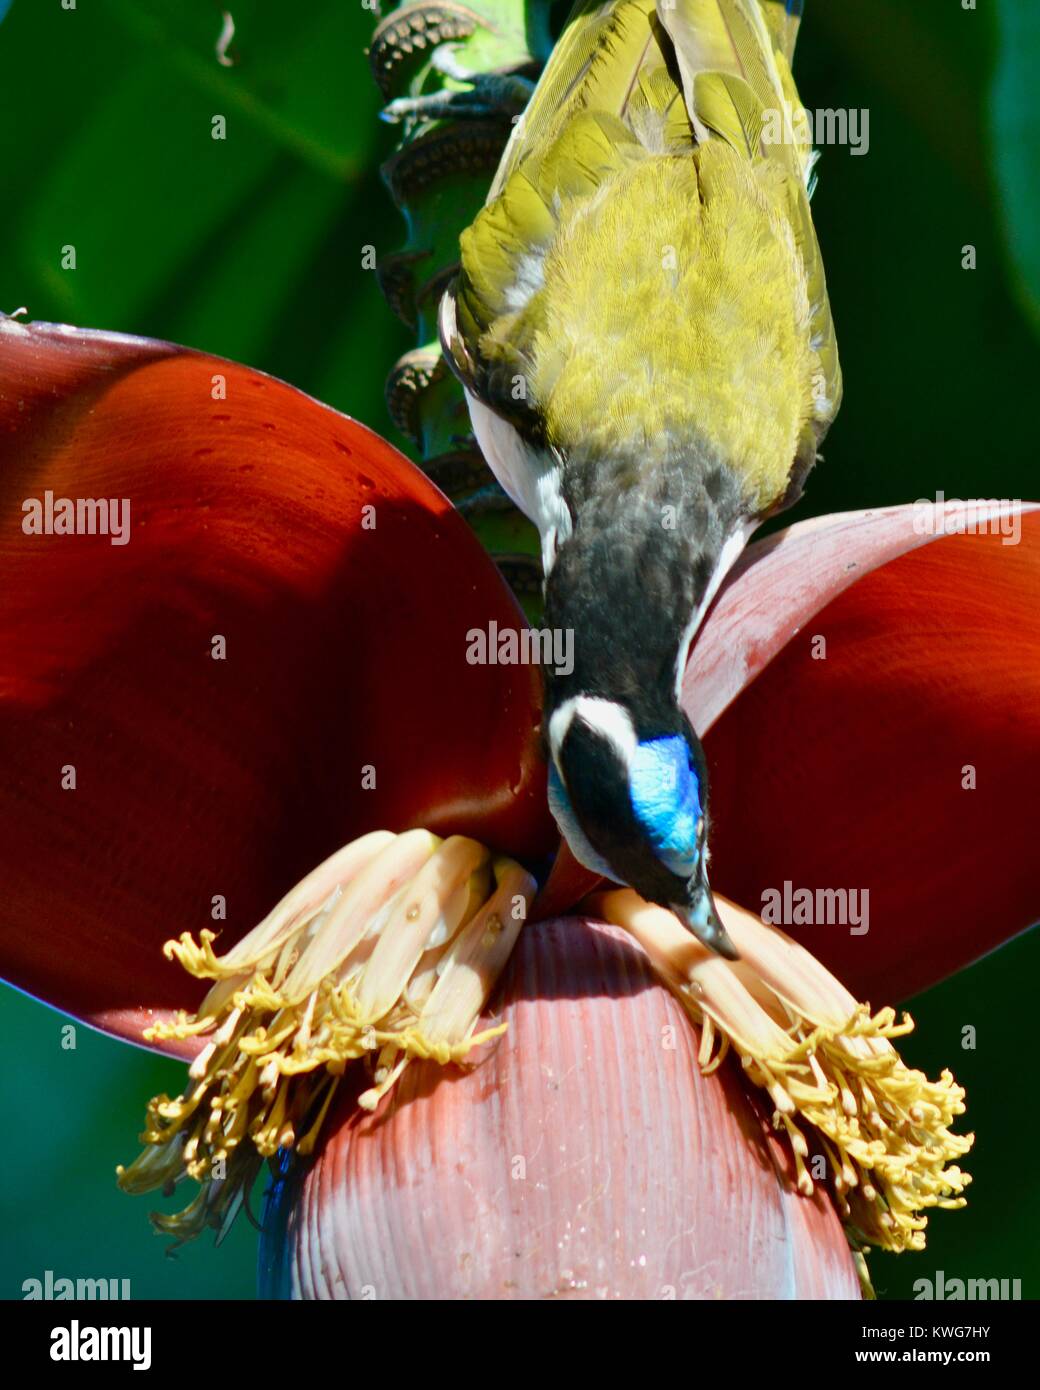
[641, 325]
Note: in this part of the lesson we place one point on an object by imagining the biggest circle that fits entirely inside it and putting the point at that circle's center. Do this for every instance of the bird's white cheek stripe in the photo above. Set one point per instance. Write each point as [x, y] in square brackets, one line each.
[604, 716]
[530, 478]
[731, 551]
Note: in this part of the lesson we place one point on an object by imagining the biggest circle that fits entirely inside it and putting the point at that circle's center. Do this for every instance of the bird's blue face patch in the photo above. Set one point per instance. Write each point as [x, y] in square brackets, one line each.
[666, 798]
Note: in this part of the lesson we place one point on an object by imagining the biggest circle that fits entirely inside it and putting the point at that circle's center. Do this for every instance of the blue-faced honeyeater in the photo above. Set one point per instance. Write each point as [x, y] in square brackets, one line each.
[642, 328]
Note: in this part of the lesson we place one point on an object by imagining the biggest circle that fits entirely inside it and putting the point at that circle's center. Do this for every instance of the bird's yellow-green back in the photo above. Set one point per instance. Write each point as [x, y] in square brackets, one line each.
[646, 275]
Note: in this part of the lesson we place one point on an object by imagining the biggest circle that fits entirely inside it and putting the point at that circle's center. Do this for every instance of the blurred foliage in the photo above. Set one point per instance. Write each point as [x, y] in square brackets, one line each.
[1015, 123]
[80, 1112]
[249, 246]
[252, 247]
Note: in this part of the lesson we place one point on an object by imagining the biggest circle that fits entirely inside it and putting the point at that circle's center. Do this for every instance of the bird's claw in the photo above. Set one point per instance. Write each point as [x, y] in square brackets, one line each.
[489, 94]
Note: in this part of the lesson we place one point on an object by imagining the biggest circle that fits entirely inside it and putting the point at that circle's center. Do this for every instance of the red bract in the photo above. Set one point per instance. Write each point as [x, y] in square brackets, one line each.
[903, 763]
[345, 636]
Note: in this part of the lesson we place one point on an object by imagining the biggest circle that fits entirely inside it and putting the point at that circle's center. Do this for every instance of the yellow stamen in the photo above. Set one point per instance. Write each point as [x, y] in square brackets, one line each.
[838, 1085]
[387, 951]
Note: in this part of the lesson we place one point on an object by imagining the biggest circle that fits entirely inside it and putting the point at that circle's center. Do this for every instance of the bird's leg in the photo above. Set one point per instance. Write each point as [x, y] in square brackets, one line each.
[489, 94]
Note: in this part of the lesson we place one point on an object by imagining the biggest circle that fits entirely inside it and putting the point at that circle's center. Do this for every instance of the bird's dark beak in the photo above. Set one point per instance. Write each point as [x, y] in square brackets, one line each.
[700, 917]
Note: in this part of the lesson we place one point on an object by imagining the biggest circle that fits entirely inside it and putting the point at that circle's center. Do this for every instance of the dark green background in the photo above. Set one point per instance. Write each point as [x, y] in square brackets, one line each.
[252, 248]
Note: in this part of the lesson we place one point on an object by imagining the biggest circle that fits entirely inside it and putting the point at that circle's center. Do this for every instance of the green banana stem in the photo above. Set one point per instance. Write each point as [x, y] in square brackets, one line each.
[438, 176]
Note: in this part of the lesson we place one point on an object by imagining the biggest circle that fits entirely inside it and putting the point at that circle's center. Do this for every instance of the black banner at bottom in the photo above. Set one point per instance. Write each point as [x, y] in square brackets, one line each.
[293, 1339]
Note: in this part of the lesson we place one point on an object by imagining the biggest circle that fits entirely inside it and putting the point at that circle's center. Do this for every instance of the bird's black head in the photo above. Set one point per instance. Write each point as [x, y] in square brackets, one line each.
[633, 805]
